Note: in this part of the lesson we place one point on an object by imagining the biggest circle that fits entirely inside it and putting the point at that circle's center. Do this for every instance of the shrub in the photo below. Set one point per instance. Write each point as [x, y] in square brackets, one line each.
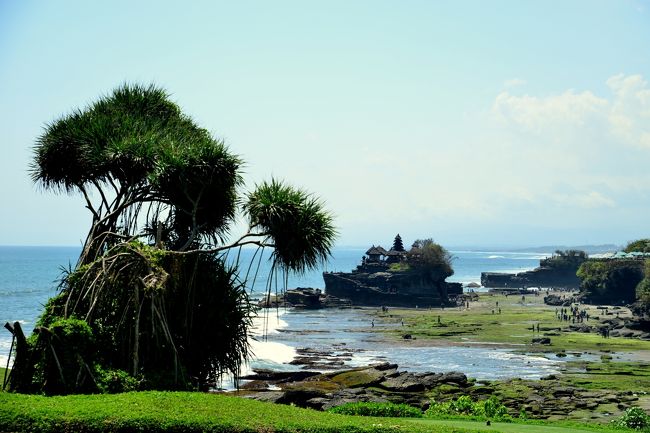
[634, 417]
[378, 409]
[112, 381]
[463, 404]
[491, 408]
[522, 414]
[61, 355]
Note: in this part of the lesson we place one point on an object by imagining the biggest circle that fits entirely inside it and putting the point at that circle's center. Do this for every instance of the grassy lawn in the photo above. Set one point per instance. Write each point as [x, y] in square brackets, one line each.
[514, 428]
[201, 412]
[182, 412]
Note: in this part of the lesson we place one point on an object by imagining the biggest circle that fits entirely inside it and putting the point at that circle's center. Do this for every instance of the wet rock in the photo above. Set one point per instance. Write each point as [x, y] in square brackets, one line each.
[454, 377]
[557, 300]
[541, 340]
[361, 377]
[406, 382]
[482, 390]
[279, 376]
[581, 327]
[563, 391]
[269, 396]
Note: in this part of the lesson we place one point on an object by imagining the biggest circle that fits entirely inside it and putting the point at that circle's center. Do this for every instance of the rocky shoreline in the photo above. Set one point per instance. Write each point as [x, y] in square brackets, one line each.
[549, 397]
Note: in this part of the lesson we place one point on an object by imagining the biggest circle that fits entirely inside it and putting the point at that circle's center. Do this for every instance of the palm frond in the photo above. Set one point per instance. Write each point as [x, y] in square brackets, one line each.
[302, 231]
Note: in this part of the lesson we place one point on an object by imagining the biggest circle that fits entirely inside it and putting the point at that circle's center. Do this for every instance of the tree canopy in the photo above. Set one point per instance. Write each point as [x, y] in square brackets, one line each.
[152, 297]
[431, 257]
[638, 246]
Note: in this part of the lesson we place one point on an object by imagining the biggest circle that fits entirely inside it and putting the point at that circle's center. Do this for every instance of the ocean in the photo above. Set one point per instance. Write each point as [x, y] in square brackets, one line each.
[28, 278]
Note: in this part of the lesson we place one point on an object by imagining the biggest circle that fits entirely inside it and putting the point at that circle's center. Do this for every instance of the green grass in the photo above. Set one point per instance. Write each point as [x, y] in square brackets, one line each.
[200, 412]
[181, 412]
[517, 427]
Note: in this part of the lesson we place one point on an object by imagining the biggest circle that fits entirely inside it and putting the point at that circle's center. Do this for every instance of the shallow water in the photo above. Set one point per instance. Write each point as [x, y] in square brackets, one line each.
[349, 332]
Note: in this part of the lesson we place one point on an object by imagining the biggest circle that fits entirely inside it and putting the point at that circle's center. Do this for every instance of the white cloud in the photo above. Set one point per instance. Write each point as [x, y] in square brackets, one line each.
[625, 115]
[630, 114]
[537, 114]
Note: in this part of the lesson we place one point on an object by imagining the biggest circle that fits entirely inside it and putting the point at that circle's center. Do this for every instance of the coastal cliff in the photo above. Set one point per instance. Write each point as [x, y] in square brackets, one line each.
[557, 271]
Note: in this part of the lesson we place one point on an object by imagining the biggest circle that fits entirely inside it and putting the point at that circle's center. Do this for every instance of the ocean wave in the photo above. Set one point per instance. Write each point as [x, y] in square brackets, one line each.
[495, 257]
[535, 257]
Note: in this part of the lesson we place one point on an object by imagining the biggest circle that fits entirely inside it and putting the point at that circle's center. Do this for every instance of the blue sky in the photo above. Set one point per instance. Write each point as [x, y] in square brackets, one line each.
[495, 123]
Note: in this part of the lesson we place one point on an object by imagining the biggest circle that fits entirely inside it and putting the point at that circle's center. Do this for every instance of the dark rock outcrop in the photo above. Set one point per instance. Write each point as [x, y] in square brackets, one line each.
[308, 298]
[539, 277]
[407, 289]
[557, 271]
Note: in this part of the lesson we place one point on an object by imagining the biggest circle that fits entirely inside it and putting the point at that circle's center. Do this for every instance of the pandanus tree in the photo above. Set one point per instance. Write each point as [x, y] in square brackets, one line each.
[152, 293]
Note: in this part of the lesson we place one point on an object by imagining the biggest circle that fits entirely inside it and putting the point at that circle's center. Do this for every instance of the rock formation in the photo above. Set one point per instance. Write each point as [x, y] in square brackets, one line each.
[397, 278]
[558, 271]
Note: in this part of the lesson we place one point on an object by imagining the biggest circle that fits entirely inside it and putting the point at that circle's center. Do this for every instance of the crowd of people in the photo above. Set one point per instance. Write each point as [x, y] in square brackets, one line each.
[572, 314]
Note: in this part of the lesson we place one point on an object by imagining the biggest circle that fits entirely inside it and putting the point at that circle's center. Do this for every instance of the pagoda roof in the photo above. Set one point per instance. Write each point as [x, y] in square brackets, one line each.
[376, 250]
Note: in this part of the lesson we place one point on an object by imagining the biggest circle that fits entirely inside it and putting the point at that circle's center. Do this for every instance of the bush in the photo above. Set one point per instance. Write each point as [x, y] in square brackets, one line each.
[112, 381]
[378, 409]
[465, 406]
[61, 355]
[634, 417]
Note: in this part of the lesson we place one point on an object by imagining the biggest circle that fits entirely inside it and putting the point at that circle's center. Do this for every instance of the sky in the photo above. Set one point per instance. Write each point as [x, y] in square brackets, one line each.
[475, 123]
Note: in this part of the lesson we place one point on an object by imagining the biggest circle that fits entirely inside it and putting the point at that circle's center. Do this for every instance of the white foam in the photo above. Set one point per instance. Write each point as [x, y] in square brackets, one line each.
[271, 351]
[268, 322]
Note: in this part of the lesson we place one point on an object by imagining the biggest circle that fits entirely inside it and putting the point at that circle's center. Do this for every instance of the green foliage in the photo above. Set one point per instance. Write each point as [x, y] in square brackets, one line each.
[638, 246]
[62, 355]
[431, 258]
[378, 409]
[522, 414]
[491, 409]
[399, 267]
[643, 288]
[634, 418]
[302, 231]
[151, 284]
[568, 259]
[111, 381]
[610, 280]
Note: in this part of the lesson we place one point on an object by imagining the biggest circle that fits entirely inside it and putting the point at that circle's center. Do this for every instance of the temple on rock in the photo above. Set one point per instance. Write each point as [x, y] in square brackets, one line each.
[397, 277]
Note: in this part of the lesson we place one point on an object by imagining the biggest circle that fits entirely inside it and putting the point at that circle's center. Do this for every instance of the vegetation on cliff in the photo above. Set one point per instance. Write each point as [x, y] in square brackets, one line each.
[152, 297]
[568, 259]
[429, 257]
[624, 279]
[638, 246]
[610, 281]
